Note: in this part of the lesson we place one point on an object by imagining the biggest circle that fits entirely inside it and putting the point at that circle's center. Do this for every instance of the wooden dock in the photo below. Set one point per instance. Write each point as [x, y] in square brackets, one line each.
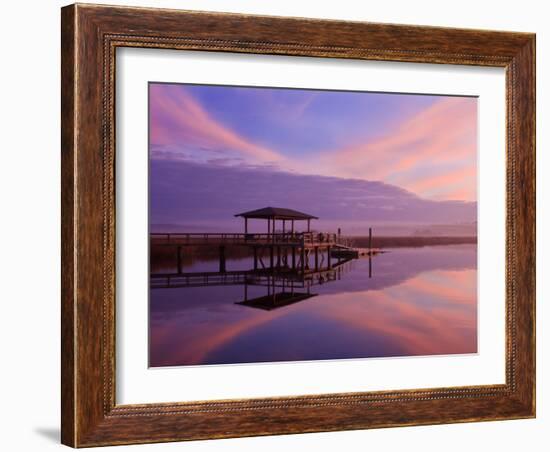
[280, 257]
[286, 262]
[270, 250]
[303, 239]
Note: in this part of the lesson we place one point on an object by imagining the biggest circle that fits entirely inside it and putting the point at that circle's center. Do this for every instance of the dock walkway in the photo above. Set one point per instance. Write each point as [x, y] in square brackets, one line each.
[299, 239]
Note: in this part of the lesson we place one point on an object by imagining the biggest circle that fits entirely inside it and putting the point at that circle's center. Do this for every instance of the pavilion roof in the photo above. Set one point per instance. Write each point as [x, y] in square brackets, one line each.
[278, 213]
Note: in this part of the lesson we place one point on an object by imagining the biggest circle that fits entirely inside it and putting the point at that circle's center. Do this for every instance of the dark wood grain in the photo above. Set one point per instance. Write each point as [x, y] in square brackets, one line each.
[68, 310]
[90, 36]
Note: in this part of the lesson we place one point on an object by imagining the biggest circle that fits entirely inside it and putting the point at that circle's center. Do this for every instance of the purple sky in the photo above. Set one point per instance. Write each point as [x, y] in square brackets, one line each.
[218, 150]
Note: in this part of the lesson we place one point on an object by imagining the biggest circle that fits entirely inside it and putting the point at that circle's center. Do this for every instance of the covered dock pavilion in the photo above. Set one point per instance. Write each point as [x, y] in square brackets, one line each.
[274, 214]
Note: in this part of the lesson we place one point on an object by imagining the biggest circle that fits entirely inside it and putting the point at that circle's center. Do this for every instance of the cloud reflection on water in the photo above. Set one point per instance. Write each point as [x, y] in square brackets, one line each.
[420, 301]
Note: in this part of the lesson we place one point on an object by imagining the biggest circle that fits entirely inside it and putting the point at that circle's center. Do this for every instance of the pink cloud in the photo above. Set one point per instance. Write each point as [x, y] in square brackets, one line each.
[459, 183]
[176, 118]
[432, 154]
[443, 136]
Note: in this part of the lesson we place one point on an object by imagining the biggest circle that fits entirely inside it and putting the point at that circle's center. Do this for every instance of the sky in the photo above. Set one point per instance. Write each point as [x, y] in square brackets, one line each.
[343, 155]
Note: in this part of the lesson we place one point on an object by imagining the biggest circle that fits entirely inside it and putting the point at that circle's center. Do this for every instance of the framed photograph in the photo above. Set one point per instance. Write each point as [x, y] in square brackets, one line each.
[282, 225]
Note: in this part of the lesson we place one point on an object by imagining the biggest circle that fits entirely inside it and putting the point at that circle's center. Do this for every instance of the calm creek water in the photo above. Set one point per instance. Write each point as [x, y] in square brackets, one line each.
[418, 301]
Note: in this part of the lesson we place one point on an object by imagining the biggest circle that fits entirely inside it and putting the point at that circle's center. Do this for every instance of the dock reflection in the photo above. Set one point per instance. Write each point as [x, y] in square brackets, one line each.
[418, 302]
[283, 286]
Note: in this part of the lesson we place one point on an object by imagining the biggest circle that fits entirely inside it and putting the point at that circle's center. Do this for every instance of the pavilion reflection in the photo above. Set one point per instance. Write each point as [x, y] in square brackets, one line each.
[286, 289]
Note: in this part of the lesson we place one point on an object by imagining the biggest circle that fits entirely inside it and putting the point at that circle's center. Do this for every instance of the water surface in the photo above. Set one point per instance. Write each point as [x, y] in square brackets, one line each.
[417, 301]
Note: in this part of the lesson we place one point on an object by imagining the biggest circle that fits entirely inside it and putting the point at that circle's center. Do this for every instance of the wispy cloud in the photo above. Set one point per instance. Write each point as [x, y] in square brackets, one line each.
[430, 151]
[178, 119]
[440, 137]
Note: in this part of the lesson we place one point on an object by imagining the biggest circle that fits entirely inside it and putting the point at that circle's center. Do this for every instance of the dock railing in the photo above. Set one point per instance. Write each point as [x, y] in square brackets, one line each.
[230, 238]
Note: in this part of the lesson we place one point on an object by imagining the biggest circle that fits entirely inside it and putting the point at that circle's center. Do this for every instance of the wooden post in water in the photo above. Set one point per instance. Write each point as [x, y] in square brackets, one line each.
[178, 250]
[328, 256]
[222, 259]
[370, 239]
[255, 258]
[293, 257]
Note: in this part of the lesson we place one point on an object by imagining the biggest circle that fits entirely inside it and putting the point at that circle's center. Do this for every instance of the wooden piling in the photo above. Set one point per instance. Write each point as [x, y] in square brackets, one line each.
[178, 251]
[370, 238]
[316, 258]
[222, 259]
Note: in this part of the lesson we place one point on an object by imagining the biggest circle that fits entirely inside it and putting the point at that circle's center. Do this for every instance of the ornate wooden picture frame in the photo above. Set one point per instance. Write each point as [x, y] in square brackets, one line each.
[90, 37]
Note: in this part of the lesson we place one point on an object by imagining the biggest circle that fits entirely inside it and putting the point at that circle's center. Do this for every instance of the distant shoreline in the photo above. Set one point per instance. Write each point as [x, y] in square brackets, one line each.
[411, 241]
